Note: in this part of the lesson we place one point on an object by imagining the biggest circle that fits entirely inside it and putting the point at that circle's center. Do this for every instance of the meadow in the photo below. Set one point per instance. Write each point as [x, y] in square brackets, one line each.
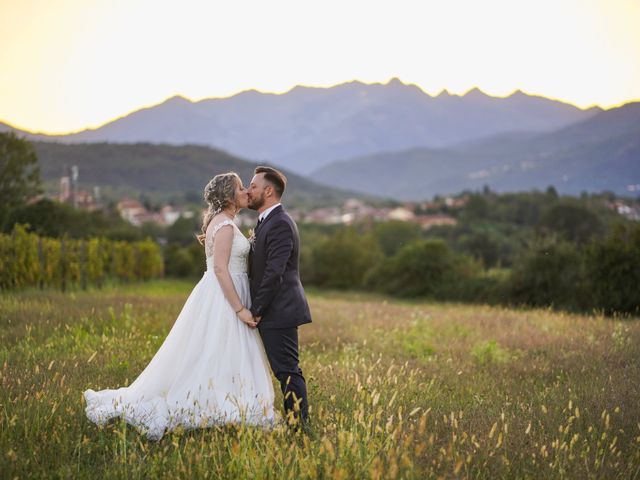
[398, 389]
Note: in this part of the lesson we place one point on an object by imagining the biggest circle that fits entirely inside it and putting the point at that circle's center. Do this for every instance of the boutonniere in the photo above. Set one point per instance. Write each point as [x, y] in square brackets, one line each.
[252, 236]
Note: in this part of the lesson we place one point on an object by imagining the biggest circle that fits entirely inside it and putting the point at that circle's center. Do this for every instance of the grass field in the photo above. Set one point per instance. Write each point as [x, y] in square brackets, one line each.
[397, 390]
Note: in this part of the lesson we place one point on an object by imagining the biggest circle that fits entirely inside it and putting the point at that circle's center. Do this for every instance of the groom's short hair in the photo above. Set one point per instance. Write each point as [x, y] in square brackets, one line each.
[274, 177]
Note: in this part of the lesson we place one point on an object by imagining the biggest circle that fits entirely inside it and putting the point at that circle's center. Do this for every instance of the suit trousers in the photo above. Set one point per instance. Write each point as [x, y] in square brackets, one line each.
[281, 347]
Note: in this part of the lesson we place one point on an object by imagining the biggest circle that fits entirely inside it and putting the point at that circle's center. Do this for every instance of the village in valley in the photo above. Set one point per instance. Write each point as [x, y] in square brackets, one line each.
[353, 210]
[426, 214]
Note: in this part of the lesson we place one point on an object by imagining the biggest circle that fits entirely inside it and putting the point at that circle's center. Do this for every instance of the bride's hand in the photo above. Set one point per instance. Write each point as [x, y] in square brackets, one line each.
[246, 317]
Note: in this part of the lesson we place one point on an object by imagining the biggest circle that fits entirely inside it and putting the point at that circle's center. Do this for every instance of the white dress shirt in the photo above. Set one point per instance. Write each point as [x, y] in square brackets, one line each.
[264, 214]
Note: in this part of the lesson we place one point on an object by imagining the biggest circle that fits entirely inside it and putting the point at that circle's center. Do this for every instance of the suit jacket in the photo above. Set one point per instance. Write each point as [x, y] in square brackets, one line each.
[276, 291]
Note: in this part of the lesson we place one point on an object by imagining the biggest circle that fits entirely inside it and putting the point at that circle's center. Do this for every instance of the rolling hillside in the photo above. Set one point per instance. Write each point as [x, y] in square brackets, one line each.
[163, 171]
[600, 153]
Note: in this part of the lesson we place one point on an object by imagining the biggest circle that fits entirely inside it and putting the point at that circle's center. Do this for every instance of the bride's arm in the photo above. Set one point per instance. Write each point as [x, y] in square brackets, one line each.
[221, 253]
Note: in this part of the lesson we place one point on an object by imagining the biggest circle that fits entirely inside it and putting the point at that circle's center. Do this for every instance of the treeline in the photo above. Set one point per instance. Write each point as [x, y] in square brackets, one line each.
[29, 260]
[181, 255]
[533, 249]
[49, 218]
[497, 228]
[603, 275]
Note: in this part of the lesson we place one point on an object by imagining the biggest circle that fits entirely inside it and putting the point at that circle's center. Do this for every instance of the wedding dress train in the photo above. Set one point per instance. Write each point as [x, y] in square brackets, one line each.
[211, 368]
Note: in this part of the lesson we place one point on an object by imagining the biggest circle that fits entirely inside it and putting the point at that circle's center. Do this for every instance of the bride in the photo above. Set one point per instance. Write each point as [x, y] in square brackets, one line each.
[211, 368]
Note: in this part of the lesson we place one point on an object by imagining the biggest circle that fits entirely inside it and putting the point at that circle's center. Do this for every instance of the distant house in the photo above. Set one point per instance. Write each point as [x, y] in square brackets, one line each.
[456, 202]
[136, 214]
[428, 221]
[632, 212]
[401, 214]
[132, 211]
[85, 200]
[327, 216]
[171, 214]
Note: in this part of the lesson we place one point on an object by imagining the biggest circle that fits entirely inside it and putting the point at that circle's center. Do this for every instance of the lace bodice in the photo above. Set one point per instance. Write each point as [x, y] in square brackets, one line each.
[239, 248]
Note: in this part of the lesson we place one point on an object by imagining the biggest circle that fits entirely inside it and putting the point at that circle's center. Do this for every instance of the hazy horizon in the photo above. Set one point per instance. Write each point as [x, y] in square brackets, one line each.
[212, 97]
[72, 64]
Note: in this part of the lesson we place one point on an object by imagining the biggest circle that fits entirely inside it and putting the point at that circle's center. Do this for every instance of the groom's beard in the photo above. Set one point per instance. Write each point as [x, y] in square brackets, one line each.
[256, 203]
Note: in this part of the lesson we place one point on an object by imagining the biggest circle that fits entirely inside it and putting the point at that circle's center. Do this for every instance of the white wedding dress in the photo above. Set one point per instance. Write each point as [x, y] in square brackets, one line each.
[211, 368]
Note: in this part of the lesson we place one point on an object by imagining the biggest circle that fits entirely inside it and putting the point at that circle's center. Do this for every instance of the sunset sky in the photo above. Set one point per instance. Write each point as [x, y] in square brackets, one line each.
[70, 64]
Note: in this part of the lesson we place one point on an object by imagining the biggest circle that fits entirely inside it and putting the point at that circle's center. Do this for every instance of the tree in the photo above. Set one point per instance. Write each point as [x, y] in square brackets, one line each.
[393, 235]
[183, 231]
[53, 219]
[613, 271]
[550, 273]
[19, 173]
[422, 268]
[482, 244]
[574, 223]
[477, 208]
[342, 260]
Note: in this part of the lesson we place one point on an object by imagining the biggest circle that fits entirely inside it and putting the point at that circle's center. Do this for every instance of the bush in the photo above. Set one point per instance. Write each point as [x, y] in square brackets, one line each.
[177, 261]
[550, 273]
[48, 218]
[342, 260]
[394, 235]
[184, 262]
[613, 271]
[423, 268]
[488, 287]
[149, 262]
[29, 260]
[573, 223]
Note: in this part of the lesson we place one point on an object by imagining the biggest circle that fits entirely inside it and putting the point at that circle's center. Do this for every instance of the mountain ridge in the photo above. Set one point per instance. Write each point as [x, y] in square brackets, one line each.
[308, 127]
[599, 153]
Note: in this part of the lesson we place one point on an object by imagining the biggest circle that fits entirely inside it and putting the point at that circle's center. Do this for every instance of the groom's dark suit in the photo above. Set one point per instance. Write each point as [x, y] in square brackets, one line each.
[278, 297]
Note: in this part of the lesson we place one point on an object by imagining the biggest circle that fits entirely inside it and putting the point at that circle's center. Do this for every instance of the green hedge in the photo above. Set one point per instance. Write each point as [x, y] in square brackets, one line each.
[28, 260]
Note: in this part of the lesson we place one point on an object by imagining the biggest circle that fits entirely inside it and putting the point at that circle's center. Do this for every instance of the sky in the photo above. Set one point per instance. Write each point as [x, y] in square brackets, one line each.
[66, 65]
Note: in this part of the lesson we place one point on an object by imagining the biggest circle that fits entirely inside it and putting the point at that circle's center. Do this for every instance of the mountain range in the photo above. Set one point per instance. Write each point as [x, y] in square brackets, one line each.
[307, 128]
[596, 154]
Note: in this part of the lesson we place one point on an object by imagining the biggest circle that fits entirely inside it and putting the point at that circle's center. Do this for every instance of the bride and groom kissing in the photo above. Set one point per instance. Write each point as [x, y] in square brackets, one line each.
[239, 321]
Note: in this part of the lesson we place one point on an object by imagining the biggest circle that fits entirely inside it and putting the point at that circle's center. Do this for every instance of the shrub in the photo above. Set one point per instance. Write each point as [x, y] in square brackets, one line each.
[342, 260]
[423, 268]
[550, 273]
[394, 235]
[29, 260]
[177, 261]
[613, 271]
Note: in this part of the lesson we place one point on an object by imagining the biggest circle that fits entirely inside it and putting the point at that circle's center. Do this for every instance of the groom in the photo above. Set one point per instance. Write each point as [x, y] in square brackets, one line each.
[278, 302]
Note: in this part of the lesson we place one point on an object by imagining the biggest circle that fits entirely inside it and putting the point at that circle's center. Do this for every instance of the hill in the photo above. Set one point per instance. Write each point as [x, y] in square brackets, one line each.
[163, 171]
[600, 153]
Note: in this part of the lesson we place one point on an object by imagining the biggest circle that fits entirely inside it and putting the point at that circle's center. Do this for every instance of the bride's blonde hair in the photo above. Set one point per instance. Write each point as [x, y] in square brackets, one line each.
[219, 194]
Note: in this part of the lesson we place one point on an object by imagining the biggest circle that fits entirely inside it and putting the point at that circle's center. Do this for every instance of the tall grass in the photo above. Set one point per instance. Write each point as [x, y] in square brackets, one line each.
[397, 390]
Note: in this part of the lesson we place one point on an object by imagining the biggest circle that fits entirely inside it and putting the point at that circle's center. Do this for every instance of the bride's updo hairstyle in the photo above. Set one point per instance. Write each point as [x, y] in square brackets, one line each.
[219, 194]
